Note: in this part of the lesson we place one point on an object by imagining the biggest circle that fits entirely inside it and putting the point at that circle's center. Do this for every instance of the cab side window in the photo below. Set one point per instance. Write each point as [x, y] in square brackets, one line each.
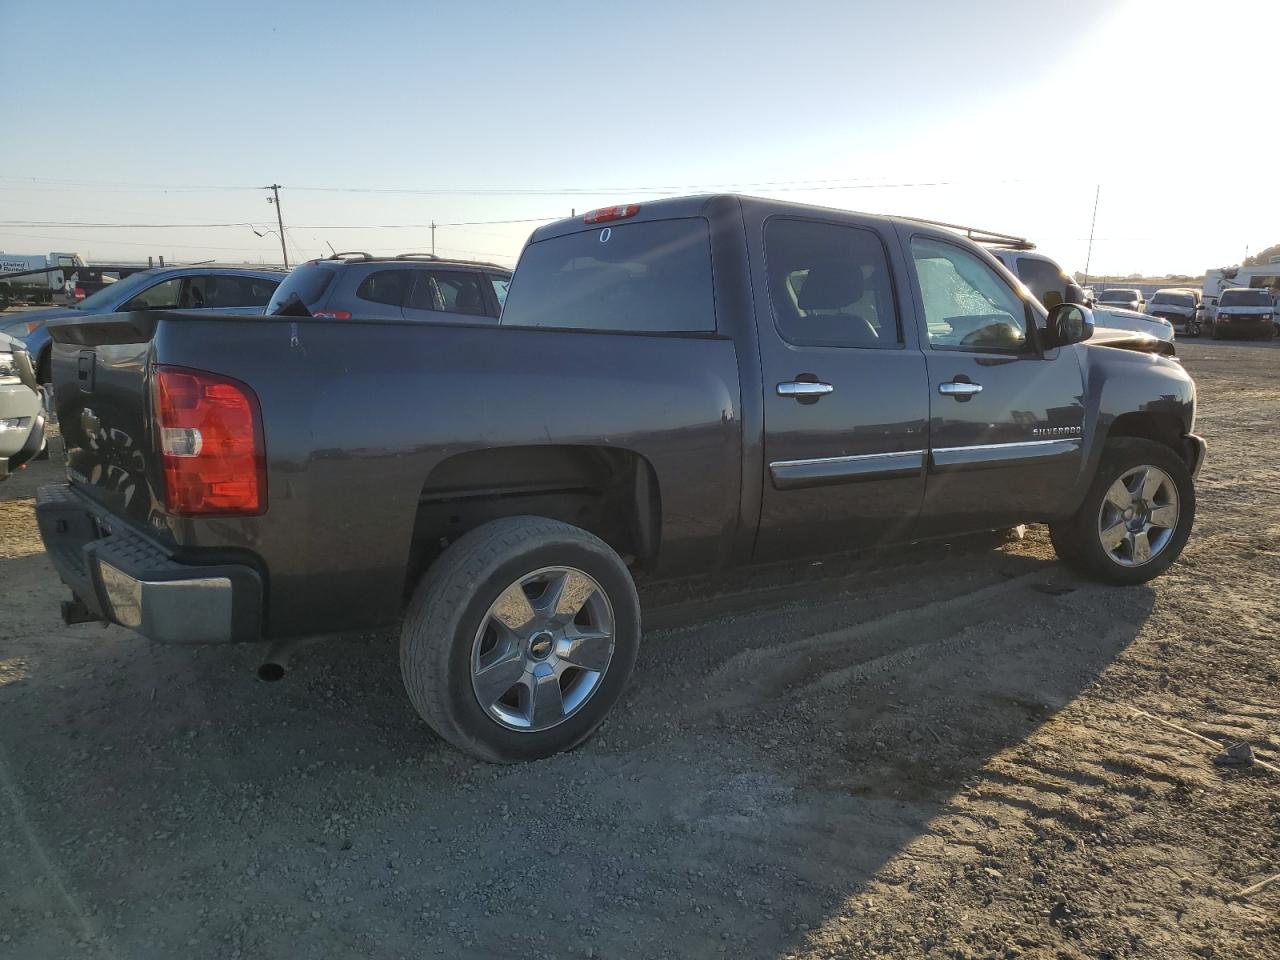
[967, 305]
[829, 285]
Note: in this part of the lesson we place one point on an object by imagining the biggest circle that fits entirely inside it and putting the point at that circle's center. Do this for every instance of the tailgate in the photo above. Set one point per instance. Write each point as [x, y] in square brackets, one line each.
[102, 401]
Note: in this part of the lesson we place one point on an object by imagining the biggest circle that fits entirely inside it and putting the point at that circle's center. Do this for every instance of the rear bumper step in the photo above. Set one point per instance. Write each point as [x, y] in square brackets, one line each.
[118, 574]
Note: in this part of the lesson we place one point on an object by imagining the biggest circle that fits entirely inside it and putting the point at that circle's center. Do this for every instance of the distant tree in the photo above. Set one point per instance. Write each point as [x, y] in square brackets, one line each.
[1262, 256]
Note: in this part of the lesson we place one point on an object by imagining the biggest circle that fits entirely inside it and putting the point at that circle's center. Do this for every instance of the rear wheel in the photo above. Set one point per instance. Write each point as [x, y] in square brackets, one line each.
[520, 639]
[1135, 518]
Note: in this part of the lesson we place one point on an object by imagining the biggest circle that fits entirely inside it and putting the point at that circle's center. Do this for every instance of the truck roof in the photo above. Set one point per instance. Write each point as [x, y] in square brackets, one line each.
[702, 204]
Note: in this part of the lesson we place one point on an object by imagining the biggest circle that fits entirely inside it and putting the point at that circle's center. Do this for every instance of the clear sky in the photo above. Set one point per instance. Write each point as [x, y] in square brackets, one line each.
[1012, 110]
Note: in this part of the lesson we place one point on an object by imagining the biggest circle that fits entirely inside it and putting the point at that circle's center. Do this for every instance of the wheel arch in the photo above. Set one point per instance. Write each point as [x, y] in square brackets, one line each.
[610, 491]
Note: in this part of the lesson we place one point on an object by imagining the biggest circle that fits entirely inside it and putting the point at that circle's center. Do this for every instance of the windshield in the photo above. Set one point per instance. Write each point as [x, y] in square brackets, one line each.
[643, 277]
[1178, 299]
[306, 283]
[1245, 298]
[1118, 296]
[119, 292]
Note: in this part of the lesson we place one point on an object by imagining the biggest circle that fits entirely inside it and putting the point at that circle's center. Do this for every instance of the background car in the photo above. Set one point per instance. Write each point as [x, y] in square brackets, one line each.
[411, 286]
[1245, 312]
[1127, 298]
[1179, 306]
[1115, 318]
[225, 289]
[21, 408]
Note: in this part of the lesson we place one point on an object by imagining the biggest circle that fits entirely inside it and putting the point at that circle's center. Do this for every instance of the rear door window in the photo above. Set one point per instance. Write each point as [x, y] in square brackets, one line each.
[447, 291]
[652, 277]
[829, 285]
[385, 286]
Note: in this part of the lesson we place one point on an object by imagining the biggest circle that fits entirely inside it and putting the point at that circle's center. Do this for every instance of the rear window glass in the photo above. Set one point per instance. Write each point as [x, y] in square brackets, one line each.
[385, 286]
[644, 277]
[1180, 299]
[306, 283]
[1245, 298]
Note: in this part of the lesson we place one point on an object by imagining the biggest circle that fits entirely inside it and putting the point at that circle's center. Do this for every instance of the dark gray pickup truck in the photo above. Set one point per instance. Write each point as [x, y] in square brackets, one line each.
[672, 389]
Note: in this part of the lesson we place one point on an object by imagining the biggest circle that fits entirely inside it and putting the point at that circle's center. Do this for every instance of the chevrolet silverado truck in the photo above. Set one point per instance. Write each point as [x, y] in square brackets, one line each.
[672, 388]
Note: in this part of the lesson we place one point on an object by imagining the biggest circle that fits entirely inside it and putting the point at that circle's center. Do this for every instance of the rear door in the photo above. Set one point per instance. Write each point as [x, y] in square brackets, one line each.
[845, 404]
[1006, 417]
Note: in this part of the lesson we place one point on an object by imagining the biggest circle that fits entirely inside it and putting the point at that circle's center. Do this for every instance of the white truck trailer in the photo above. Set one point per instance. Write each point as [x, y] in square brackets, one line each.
[37, 277]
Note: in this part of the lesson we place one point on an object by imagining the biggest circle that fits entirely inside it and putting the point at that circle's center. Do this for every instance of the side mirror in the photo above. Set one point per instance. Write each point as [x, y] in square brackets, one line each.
[1068, 323]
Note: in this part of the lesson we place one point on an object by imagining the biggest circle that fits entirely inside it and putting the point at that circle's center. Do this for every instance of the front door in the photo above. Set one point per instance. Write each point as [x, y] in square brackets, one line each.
[1006, 418]
[845, 406]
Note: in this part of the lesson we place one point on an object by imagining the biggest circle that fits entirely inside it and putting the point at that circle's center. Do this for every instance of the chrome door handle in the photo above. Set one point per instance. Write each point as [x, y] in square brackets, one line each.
[954, 389]
[803, 388]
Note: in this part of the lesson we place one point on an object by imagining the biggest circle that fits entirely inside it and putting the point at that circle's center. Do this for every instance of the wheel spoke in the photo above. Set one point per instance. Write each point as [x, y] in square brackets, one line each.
[513, 609]
[590, 650]
[546, 703]
[566, 596]
[1140, 548]
[496, 678]
[1165, 516]
[1152, 481]
[1119, 496]
[1114, 535]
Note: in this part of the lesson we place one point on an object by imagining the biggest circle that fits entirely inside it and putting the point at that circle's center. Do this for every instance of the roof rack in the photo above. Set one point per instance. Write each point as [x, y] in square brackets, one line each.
[350, 254]
[417, 256]
[345, 255]
[978, 235]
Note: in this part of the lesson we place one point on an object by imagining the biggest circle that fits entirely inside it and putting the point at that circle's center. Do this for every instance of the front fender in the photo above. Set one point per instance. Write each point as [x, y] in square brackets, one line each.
[1120, 383]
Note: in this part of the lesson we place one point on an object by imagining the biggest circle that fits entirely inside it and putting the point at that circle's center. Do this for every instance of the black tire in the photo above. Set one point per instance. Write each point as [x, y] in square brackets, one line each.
[452, 601]
[1076, 538]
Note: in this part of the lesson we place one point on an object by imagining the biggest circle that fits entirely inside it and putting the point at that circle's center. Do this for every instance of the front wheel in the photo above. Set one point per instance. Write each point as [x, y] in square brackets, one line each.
[520, 639]
[1135, 518]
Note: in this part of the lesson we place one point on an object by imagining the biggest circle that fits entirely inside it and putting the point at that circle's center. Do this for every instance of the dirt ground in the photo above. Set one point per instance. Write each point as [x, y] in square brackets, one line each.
[946, 751]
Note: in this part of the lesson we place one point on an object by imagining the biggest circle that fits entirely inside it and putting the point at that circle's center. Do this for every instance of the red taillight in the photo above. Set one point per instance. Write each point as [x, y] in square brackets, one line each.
[209, 430]
[79, 293]
[332, 314]
[605, 214]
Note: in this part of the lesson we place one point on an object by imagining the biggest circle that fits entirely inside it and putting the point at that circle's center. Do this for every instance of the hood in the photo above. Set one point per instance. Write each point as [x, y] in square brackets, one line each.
[1246, 309]
[1130, 340]
[1179, 309]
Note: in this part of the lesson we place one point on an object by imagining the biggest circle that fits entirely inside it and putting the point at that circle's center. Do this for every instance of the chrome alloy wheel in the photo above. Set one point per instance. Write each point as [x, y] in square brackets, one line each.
[542, 648]
[1138, 515]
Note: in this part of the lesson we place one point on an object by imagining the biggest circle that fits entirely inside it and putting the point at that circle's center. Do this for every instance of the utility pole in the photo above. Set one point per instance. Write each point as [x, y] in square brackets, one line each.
[433, 238]
[275, 198]
[1092, 223]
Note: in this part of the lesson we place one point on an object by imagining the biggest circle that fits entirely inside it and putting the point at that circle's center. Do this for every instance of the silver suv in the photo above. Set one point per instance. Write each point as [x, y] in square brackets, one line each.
[411, 286]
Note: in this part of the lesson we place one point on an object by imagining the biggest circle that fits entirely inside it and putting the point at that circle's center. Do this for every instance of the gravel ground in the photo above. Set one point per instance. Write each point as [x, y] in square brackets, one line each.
[811, 761]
